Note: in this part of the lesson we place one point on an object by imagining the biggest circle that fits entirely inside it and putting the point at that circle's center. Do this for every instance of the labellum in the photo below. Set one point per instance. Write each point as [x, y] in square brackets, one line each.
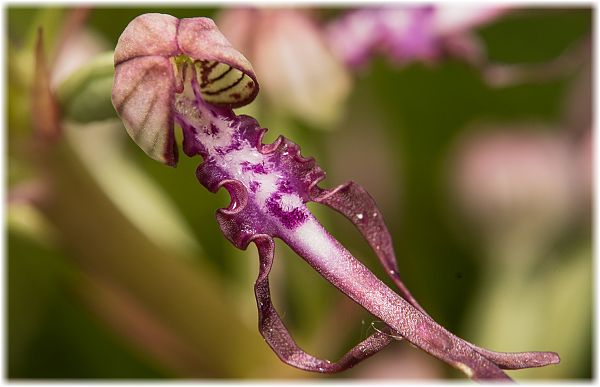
[184, 71]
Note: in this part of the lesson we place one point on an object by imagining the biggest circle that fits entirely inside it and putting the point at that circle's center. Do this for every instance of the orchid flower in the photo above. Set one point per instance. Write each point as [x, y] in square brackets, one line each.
[527, 176]
[184, 71]
[522, 189]
[409, 33]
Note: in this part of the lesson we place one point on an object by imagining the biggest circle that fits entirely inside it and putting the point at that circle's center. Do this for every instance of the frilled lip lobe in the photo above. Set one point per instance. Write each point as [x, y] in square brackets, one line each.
[186, 71]
[148, 60]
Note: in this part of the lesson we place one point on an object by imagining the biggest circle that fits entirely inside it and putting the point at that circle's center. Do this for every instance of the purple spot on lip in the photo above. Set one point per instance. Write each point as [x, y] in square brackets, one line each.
[259, 168]
[290, 219]
[284, 186]
[211, 130]
[235, 145]
[254, 185]
[256, 168]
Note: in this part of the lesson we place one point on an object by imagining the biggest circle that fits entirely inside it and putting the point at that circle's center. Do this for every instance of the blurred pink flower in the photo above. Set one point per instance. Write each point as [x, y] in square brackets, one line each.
[584, 171]
[410, 33]
[290, 55]
[509, 178]
[77, 50]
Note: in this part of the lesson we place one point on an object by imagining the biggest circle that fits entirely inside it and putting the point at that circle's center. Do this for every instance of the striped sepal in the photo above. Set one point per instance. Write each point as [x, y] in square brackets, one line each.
[222, 84]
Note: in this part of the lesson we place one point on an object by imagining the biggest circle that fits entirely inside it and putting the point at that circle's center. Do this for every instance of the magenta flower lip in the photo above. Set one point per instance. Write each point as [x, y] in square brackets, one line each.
[185, 71]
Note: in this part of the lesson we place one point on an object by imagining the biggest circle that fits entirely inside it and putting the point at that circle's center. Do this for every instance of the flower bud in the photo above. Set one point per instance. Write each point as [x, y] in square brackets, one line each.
[84, 95]
[509, 179]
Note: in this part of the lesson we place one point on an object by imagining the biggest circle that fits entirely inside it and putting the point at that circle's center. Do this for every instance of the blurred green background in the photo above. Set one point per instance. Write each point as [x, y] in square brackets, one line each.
[117, 269]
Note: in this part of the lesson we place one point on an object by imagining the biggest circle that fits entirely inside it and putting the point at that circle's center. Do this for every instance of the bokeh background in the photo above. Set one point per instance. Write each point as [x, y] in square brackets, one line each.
[117, 269]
